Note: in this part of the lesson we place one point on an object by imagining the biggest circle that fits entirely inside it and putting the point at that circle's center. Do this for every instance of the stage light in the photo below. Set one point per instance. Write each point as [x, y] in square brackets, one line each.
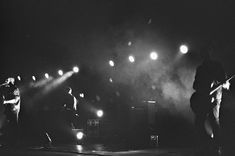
[81, 95]
[129, 43]
[151, 101]
[79, 148]
[60, 72]
[80, 135]
[212, 135]
[75, 69]
[110, 80]
[153, 55]
[19, 78]
[111, 63]
[47, 75]
[34, 78]
[131, 58]
[183, 49]
[99, 113]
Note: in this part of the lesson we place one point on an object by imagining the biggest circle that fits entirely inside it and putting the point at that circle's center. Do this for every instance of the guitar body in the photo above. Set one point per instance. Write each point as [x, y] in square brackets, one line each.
[200, 103]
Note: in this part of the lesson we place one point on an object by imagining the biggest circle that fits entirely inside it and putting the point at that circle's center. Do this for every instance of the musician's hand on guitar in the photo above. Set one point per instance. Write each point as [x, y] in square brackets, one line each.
[226, 85]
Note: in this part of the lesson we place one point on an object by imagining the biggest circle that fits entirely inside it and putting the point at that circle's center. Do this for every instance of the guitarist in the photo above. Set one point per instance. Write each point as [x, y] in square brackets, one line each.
[11, 102]
[204, 106]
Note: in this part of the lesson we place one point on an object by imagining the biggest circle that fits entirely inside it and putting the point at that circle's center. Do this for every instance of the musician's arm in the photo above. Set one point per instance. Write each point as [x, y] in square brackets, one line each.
[12, 101]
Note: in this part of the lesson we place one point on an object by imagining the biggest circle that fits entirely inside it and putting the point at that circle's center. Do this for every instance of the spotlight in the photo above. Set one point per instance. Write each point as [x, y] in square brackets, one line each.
[111, 63]
[183, 49]
[34, 78]
[19, 78]
[47, 75]
[110, 80]
[79, 148]
[60, 72]
[75, 69]
[81, 95]
[153, 55]
[80, 135]
[131, 58]
[129, 43]
[99, 113]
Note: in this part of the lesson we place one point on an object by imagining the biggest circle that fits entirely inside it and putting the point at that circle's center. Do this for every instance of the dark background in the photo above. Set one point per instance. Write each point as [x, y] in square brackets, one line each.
[44, 36]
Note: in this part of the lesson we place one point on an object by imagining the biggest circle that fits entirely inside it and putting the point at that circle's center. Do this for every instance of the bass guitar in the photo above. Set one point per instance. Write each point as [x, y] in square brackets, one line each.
[202, 103]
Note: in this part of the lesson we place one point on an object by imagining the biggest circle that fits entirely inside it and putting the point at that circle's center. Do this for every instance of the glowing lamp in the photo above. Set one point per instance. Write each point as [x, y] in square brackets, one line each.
[131, 58]
[81, 95]
[75, 69]
[60, 72]
[34, 78]
[153, 55]
[111, 63]
[99, 113]
[80, 135]
[110, 80]
[19, 78]
[183, 49]
[79, 148]
[47, 75]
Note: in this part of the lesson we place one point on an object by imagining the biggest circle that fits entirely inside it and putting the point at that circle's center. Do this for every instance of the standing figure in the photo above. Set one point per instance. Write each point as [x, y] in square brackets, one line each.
[11, 102]
[206, 106]
[70, 105]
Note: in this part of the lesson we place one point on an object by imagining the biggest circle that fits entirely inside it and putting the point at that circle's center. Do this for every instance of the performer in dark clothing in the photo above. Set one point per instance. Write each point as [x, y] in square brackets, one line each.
[70, 105]
[205, 105]
[11, 102]
[227, 120]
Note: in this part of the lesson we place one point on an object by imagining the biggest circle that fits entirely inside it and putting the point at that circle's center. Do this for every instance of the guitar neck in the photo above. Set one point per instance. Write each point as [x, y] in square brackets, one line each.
[214, 90]
[221, 85]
